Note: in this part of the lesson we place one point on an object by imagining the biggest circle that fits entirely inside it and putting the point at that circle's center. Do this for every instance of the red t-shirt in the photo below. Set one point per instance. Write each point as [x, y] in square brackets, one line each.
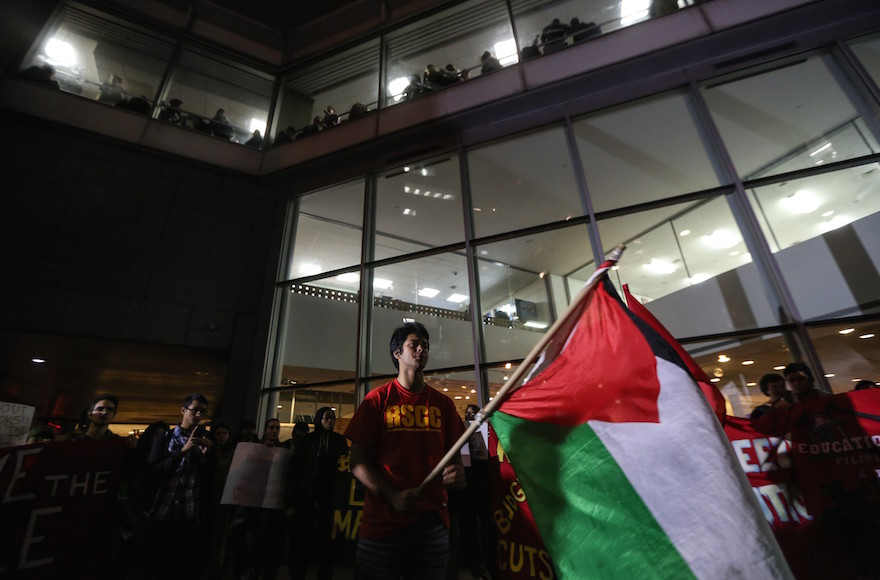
[405, 435]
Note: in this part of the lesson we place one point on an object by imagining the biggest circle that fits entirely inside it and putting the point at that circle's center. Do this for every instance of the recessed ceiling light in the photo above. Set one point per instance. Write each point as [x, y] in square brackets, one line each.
[829, 375]
[382, 284]
[38, 361]
[869, 335]
[349, 277]
[507, 365]
[684, 232]
[457, 298]
[748, 362]
[279, 406]
[847, 330]
[428, 292]
[779, 368]
[445, 388]
[856, 380]
[535, 324]
[723, 358]
[751, 384]
[504, 378]
[458, 396]
[828, 213]
[715, 380]
[309, 269]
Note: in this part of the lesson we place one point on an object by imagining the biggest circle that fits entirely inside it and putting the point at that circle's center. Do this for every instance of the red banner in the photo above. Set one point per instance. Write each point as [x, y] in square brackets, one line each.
[819, 487]
[57, 507]
[519, 549]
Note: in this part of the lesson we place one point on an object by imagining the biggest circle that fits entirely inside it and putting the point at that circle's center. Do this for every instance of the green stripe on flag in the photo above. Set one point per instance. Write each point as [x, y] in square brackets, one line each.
[593, 523]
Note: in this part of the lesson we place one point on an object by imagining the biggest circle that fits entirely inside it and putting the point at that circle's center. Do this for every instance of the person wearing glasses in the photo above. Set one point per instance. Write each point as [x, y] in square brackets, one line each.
[100, 414]
[180, 461]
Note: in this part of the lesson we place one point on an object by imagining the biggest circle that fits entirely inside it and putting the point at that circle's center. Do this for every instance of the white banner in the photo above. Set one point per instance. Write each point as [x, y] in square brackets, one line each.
[15, 422]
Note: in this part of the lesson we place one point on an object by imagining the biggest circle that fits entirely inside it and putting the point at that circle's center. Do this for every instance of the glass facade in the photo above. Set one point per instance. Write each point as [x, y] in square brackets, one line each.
[693, 181]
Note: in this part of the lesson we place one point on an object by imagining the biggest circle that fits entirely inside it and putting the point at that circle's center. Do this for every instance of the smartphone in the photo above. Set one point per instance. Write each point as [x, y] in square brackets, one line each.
[201, 431]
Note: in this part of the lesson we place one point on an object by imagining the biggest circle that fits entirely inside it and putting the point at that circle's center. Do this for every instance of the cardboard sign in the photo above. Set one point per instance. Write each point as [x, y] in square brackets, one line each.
[15, 422]
[257, 476]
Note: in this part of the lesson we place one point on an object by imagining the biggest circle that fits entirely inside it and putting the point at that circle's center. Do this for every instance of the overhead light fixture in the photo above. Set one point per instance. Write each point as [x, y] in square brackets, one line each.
[457, 298]
[424, 172]
[406, 189]
[846, 331]
[535, 324]
[748, 362]
[698, 278]
[829, 375]
[349, 277]
[61, 52]
[721, 239]
[631, 11]
[408, 320]
[258, 125]
[38, 361]
[280, 406]
[866, 336]
[409, 212]
[395, 90]
[751, 384]
[507, 365]
[683, 233]
[800, 202]
[723, 358]
[505, 52]
[715, 380]
[382, 284]
[820, 149]
[428, 292]
[828, 213]
[779, 368]
[309, 269]
[658, 266]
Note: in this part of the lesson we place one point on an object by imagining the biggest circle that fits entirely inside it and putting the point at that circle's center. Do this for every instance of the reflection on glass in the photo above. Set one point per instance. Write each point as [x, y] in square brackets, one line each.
[457, 37]
[786, 118]
[226, 101]
[341, 81]
[537, 30]
[418, 206]
[328, 234]
[299, 405]
[317, 339]
[795, 211]
[103, 60]
[868, 51]
[643, 152]
[432, 291]
[736, 366]
[690, 258]
[523, 287]
[498, 376]
[849, 353]
[460, 386]
[522, 182]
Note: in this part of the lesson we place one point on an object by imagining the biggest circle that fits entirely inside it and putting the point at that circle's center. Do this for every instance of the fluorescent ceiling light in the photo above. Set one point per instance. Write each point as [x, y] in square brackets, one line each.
[457, 298]
[309, 269]
[428, 292]
[846, 330]
[350, 277]
[39, 361]
[779, 368]
[867, 336]
[61, 52]
[658, 266]
[821, 149]
[395, 89]
[505, 52]
[748, 362]
[534, 324]
[382, 284]
[800, 202]
[715, 380]
[829, 375]
[721, 239]
[258, 125]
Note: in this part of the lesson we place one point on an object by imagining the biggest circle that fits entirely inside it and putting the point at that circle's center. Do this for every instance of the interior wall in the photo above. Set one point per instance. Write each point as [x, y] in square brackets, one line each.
[106, 241]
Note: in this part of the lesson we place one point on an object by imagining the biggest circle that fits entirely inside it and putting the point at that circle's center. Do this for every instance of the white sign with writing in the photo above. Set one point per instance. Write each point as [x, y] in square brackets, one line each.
[15, 422]
[256, 476]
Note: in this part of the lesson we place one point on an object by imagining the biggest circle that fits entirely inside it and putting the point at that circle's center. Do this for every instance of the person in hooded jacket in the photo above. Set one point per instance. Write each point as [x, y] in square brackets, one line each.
[310, 492]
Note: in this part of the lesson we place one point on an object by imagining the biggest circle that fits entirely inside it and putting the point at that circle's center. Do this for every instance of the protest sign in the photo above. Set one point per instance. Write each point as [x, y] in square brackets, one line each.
[56, 505]
[257, 476]
[15, 421]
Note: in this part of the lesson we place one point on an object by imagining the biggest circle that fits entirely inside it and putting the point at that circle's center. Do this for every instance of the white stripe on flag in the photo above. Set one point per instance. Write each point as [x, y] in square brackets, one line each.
[686, 474]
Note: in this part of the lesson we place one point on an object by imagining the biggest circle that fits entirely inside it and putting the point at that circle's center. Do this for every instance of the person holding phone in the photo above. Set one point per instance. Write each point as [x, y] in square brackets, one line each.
[180, 461]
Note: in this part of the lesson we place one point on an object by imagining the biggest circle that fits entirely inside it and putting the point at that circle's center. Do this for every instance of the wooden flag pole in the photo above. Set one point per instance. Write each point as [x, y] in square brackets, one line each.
[511, 385]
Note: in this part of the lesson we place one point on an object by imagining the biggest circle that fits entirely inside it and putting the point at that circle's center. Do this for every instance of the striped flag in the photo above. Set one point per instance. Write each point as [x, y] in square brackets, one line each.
[625, 466]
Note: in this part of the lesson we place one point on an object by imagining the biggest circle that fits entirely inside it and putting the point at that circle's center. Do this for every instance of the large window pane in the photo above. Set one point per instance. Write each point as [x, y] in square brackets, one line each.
[523, 287]
[690, 258]
[300, 404]
[784, 119]
[460, 386]
[418, 207]
[523, 182]
[457, 36]
[868, 51]
[317, 340]
[328, 232]
[207, 86]
[341, 81]
[643, 152]
[849, 353]
[433, 291]
[830, 222]
[535, 26]
[102, 58]
[736, 365]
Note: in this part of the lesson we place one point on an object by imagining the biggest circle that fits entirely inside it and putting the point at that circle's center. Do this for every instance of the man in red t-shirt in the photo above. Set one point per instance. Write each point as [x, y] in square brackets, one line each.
[399, 433]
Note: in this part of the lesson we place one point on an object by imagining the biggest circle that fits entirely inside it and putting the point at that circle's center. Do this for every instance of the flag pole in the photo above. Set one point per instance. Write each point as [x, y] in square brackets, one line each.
[511, 385]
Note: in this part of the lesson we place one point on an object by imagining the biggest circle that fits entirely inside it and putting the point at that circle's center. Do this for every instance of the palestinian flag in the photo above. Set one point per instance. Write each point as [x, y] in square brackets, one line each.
[626, 469]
